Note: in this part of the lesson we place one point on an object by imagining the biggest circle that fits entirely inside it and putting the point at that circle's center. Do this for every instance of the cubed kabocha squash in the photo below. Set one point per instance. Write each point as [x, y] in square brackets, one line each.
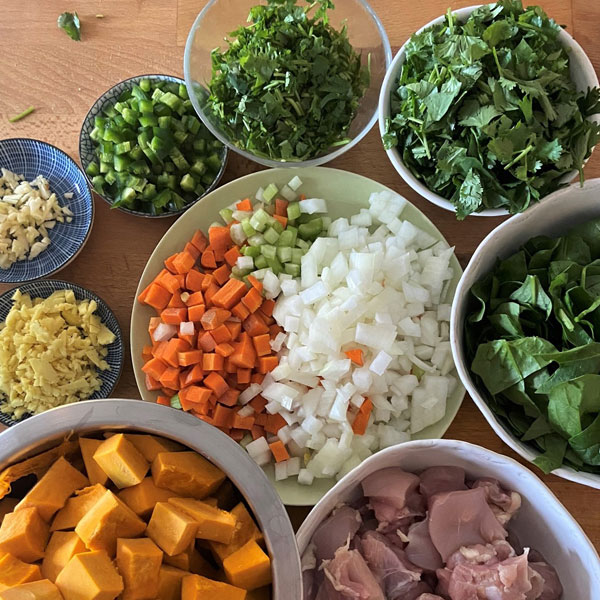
[142, 497]
[186, 473]
[50, 493]
[14, 572]
[245, 530]
[61, 548]
[249, 567]
[169, 583]
[90, 576]
[24, 534]
[121, 461]
[171, 529]
[94, 471]
[77, 507]
[196, 587]
[138, 562]
[213, 523]
[150, 445]
[36, 590]
[109, 519]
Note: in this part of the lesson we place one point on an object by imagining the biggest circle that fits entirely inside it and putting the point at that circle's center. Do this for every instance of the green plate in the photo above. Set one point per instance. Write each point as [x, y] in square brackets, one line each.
[345, 194]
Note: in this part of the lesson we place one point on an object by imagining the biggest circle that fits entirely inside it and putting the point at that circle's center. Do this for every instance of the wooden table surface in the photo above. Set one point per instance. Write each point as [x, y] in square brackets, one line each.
[41, 66]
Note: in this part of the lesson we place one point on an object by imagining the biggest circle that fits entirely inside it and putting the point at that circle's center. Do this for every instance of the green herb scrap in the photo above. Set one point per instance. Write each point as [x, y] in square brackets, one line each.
[69, 23]
[288, 85]
[533, 339]
[22, 115]
[485, 112]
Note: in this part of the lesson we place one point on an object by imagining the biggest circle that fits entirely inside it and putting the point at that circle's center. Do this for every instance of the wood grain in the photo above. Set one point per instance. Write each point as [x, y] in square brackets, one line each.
[40, 65]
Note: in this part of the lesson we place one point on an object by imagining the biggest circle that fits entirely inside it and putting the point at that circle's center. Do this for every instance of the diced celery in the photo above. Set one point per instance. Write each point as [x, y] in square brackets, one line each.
[284, 254]
[269, 193]
[270, 235]
[311, 230]
[260, 262]
[252, 251]
[293, 210]
[259, 220]
[297, 254]
[302, 244]
[248, 229]
[292, 269]
[275, 265]
[256, 240]
[268, 251]
[226, 215]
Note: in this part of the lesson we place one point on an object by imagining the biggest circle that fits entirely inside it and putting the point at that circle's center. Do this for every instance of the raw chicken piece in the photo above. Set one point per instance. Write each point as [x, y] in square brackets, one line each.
[420, 549]
[552, 588]
[479, 554]
[399, 579]
[394, 497]
[462, 518]
[350, 577]
[335, 532]
[504, 504]
[442, 479]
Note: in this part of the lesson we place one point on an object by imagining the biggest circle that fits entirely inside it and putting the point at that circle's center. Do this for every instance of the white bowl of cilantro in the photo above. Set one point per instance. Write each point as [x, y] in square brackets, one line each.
[488, 109]
[277, 94]
[525, 332]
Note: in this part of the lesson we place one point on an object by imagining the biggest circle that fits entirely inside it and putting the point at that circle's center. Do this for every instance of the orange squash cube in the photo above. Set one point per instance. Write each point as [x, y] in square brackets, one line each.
[121, 461]
[62, 547]
[249, 567]
[36, 590]
[171, 529]
[24, 534]
[94, 472]
[142, 497]
[77, 507]
[196, 587]
[169, 583]
[14, 572]
[245, 530]
[213, 523]
[138, 561]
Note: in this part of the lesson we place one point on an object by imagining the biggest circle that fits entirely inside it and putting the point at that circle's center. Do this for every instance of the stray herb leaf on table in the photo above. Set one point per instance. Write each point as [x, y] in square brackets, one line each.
[69, 23]
[485, 113]
[288, 86]
[533, 339]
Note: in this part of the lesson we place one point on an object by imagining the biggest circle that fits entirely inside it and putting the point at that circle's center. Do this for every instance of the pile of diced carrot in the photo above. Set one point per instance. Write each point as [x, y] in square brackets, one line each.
[230, 347]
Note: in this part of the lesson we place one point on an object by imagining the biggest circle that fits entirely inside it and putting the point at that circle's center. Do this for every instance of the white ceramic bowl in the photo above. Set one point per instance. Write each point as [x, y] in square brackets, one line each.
[555, 216]
[582, 73]
[542, 522]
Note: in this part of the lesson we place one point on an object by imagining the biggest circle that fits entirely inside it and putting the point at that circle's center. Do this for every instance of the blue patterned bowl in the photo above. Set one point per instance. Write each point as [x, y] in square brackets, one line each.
[86, 144]
[31, 158]
[114, 358]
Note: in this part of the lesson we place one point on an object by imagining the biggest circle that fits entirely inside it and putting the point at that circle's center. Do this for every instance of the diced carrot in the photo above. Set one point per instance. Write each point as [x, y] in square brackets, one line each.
[230, 397]
[169, 263]
[183, 373]
[219, 238]
[244, 205]
[195, 375]
[257, 378]
[214, 317]
[195, 299]
[206, 342]
[216, 383]
[199, 240]
[255, 283]
[235, 327]
[207, 281]
[230, 294]
[257, 432]
[163, 400]
[155, 368]
[243, 422]
[170, 378]
[224, 349]
[221, 274]
[261, 419]
[194, 395]
[267, 307]
[274, 330]
[254, 324]
[355, 355]
[174, 346]
[174, 316]
[151, 383]
[168, 281]
[274, 423]
[195, 312]
[244, 355]
[191, 357]
[361, 420]
[147, 353]
[208, 259]
[281, 207]
[180, 279]
[213, 288]
[193, 280]
[221, 334]
[243, 375]
[191, 249]
[232, 255]
[258, 403]
[283, 220]
[157, 297]
[252, 300]
[237, 435]
[240, 311]
[223, 416]
[279, 451]
[267, 363]
[262, 344]
[176, 301]
[191, 340]
[212, 362]
[144, 293]
[159, 349]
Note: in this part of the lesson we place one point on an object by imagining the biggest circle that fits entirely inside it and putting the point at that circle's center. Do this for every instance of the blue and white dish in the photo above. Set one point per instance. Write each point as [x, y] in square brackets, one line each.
[114, 358]
[86, 144]
[30, 158]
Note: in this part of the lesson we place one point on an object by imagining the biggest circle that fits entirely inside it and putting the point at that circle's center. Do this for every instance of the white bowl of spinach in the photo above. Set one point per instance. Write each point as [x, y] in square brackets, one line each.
[490, 108]
[525, 332]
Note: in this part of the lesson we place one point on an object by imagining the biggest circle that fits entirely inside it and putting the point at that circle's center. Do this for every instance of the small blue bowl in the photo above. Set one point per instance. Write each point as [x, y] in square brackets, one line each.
[114, 358]
[30, 158]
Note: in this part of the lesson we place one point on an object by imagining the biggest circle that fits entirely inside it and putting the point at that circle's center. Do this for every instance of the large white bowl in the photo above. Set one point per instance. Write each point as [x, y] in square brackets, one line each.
[555, 216]
[542, 522]
[582, 73]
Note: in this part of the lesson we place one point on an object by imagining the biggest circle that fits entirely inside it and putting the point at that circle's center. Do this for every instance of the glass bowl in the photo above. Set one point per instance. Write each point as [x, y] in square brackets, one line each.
[219, 17]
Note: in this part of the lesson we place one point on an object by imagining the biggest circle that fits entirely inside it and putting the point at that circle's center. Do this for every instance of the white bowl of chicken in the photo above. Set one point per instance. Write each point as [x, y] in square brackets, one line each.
[444, 520]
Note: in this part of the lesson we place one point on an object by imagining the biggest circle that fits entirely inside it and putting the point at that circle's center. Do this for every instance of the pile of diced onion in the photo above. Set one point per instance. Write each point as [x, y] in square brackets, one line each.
[377, 283]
